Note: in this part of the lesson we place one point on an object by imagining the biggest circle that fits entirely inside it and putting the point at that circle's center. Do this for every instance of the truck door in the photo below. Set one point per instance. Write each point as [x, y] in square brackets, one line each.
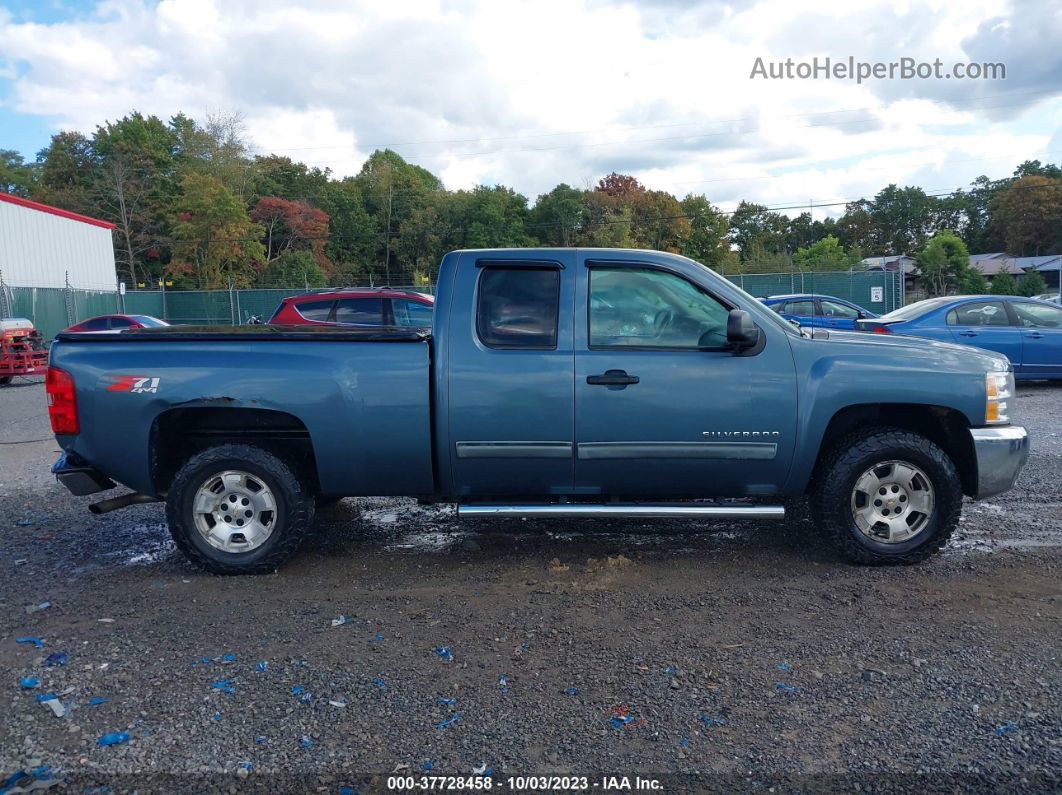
[510, 362]
[662, 406]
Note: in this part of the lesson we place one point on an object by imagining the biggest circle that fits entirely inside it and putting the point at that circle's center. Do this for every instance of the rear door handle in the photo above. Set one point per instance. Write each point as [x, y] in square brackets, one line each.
[1036, 335]
[967, 333]
[612, 378]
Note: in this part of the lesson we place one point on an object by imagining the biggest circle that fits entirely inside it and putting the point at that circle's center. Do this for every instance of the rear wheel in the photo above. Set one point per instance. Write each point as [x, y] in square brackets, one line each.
[887, 496]
[238, 509]
[5, 380]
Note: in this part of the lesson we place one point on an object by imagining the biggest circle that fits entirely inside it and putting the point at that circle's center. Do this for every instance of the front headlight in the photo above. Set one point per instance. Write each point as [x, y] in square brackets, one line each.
[999, 388]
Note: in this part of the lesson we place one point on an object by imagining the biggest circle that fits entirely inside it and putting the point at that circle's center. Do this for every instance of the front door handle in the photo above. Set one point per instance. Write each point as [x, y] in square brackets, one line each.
[967, 333]
[612, 378]
[1036, 335]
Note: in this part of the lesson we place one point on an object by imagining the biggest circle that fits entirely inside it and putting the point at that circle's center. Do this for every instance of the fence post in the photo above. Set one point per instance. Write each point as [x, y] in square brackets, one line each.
[70, 308]
[5, 310]
[239, 313]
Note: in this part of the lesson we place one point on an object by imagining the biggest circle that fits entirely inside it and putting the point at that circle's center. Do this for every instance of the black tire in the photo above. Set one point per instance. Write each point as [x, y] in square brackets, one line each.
[842, 466]
[5, 380]
[292, 524]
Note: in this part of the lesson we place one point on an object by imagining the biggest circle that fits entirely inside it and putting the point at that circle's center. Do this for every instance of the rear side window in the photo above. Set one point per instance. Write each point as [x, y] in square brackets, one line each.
[834, 309]
[518, 307]
[806, 308]
[366, 311]
[411, 313]
[121, 322]
[315, 310]
[96, 324]
[979, 313]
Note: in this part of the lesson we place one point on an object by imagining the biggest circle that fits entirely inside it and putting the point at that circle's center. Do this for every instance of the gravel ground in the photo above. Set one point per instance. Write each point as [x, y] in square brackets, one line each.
[744, 656]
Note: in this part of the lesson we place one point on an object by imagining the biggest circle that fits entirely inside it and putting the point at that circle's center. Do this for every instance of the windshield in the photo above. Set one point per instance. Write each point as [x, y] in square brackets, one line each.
[916, 309]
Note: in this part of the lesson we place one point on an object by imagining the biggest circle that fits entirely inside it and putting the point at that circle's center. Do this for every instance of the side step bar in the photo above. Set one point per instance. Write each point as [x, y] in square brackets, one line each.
[639, 510]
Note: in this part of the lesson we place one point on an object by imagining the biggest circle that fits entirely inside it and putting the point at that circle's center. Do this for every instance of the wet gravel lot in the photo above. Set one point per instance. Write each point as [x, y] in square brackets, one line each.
[737, 656]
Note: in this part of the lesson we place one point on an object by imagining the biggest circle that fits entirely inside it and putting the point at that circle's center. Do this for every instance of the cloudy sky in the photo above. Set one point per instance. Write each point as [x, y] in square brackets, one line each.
[530, 94]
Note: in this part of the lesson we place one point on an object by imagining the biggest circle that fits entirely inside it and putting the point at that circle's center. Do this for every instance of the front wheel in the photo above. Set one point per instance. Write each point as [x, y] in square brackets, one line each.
[886, 496]
[238, 509]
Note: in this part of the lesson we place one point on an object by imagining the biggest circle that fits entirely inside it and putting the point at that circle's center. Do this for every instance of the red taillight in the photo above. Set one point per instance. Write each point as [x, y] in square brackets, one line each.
[62, 401]
[880, 329]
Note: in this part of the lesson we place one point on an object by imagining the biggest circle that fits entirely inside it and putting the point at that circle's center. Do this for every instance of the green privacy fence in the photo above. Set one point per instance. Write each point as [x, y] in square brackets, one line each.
[53, 309]
[878, 291]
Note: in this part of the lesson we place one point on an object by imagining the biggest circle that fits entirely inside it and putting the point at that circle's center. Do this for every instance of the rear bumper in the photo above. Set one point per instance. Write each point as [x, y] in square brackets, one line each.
[1001, 453]
[79, 477]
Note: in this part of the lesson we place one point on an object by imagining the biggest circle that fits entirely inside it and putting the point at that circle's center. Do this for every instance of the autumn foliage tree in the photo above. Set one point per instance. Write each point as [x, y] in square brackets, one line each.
[292, 225]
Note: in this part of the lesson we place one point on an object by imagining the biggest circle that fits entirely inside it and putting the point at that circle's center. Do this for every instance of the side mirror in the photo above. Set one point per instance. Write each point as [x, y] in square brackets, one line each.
[741, 332]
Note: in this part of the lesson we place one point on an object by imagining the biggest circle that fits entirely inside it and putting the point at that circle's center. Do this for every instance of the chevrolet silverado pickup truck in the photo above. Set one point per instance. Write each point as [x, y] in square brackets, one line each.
[554, 383]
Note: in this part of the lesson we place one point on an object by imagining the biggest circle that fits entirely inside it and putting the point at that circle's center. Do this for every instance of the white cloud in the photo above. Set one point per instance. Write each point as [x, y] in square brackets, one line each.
[531, 94]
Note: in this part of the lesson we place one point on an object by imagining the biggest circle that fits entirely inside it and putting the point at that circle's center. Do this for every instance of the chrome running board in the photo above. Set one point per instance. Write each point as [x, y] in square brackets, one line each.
[634, 510]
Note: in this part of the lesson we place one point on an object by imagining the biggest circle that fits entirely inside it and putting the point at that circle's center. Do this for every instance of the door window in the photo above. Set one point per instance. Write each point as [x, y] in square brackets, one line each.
[804, 308]
[367, 311]
[518, 307]
[979, 313]
[121, 322]
[96, 324]
[1038, 315]
[837, 310]
[645, 308]
[315, 310]
[411, 313]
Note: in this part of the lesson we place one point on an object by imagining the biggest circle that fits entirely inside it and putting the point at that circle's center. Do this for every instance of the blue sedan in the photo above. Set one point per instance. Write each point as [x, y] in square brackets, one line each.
[818, 311]
[1027, 331]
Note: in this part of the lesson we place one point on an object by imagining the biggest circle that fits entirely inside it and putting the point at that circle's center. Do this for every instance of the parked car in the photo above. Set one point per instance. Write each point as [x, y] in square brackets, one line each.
[360, 307]
[554, 383]
[1025, 330]
[102, 324]
[1053, 298]
[817, 311]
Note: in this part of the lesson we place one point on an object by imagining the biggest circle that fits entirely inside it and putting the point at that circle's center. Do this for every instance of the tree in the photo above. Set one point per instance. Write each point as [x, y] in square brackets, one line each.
[294, 269]
[707, 240]
[16, 176]
[619, 185]
[1032, 283]
[214, 239]
[292, 225]
[824, 255]
[558, 216]
[1029, 213]
[1003, 283]
[944, 263]
[974, 283]
[753, 228]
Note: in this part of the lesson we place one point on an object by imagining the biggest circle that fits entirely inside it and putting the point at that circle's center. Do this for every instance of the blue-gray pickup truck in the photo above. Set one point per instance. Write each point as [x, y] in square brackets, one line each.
[554, 383]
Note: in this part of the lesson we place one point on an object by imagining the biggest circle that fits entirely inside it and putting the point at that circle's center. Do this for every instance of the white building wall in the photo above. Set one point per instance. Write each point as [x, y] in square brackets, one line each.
[39, 249]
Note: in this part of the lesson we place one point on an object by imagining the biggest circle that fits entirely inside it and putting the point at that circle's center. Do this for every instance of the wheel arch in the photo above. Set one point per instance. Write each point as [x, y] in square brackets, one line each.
[946, 427]
[180, 432]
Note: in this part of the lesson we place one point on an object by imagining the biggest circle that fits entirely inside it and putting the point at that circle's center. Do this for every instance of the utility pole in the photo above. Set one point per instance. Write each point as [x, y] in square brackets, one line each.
[387, 245]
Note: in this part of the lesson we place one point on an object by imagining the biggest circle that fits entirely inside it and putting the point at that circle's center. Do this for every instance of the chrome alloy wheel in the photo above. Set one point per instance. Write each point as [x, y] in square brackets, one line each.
[892, 502]
[235, 511]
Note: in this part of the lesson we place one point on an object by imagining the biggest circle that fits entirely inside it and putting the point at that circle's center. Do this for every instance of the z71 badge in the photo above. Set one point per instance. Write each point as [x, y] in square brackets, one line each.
[134, 383]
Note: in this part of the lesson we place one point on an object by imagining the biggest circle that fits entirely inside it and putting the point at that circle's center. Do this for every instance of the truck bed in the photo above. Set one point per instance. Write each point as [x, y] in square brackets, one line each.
[361, 398]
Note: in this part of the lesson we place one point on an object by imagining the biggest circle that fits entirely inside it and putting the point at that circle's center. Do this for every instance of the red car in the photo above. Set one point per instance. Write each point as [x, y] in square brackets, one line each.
[113, 323]
[356, 307]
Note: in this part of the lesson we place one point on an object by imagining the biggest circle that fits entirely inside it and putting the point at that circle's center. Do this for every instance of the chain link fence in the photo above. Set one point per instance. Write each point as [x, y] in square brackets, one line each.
[54, 308]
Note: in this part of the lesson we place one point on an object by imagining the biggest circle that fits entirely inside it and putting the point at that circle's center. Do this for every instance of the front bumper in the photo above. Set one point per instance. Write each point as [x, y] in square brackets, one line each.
[1001, 453]
[79, 477]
